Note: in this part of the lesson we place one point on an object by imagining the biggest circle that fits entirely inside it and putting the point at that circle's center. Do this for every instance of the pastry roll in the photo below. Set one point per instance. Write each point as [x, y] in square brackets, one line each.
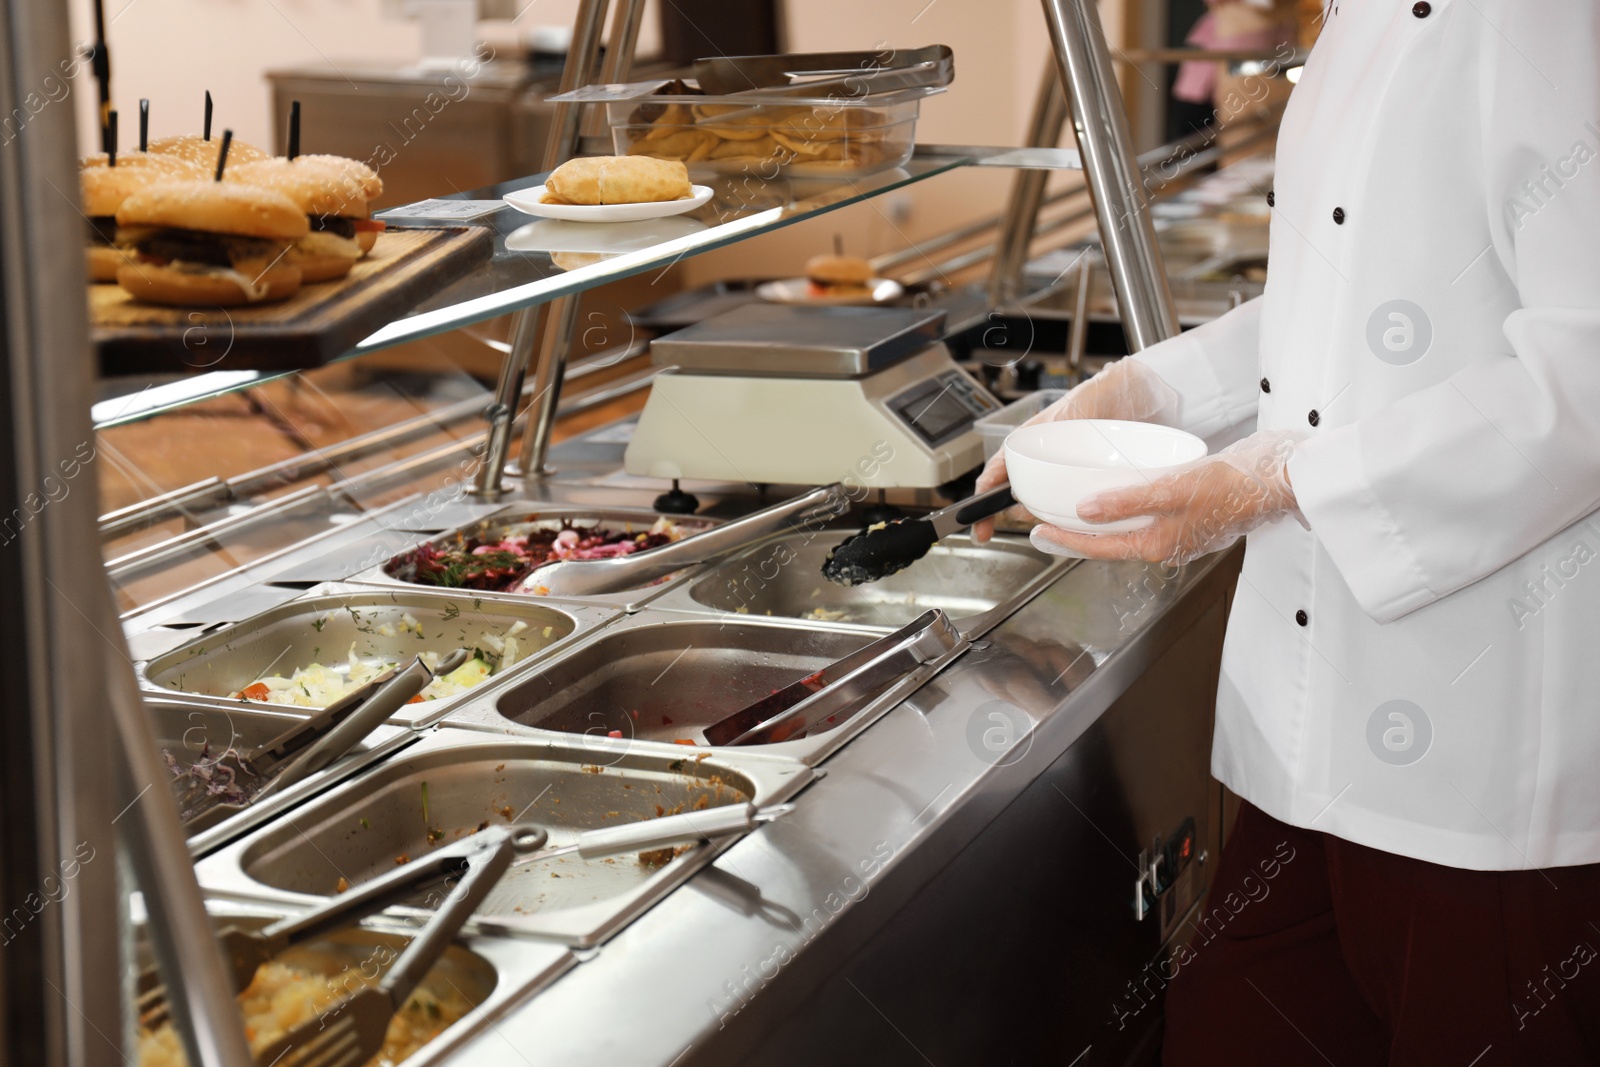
[617, 180]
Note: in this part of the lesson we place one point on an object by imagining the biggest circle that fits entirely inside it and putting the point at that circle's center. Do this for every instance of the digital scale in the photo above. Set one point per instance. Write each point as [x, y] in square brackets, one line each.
[770, 393]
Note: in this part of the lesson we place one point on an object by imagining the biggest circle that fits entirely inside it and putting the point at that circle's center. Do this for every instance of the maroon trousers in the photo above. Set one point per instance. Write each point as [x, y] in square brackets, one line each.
[1332, 953]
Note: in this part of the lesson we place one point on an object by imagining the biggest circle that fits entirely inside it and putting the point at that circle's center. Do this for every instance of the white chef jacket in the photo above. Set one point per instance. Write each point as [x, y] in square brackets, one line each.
[1420, 671]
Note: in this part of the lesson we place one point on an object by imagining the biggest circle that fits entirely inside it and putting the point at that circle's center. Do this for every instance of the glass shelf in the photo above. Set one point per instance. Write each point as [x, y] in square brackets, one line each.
[536, 260]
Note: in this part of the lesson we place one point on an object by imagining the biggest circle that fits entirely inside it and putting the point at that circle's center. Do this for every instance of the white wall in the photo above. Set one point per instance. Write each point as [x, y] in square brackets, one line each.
[172, 51]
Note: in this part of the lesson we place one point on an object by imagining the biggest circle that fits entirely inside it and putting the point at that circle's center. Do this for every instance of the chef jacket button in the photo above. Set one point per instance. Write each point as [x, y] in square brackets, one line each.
[1266, 386]
[1338, 216]
[1272, 198]
[1302, 618]
[1313, 418]
[1422, 9]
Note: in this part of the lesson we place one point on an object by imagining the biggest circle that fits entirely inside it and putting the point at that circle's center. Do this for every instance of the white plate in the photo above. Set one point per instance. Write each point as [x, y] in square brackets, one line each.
[527, 201]
[606, 238]
[798, 291]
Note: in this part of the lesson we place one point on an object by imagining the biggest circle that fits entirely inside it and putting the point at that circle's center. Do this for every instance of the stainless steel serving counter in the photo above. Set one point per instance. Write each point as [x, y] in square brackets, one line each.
[956, 884]
[959, 887]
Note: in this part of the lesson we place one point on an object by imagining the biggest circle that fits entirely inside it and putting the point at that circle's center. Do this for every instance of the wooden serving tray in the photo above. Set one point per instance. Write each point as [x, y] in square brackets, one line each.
[315, 326]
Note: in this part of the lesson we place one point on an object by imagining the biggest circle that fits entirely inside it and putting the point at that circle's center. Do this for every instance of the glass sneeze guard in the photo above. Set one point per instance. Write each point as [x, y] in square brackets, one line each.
[536, 260]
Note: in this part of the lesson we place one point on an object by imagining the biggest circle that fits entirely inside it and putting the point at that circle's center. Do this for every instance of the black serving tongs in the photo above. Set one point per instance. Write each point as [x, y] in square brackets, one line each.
[840, 687]
[856, 73]
[890, 547]
[213, 790]
[351, 1031]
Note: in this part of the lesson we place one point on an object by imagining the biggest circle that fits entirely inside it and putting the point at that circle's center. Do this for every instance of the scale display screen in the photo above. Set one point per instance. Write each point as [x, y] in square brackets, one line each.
[940, 409]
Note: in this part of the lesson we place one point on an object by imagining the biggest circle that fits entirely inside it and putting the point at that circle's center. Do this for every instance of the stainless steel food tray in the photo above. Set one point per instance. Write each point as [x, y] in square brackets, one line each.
[637, 518]
[323, 625]
[565, 784]
[494, 973]
[188, 728]
[656, 677]
[976, 585]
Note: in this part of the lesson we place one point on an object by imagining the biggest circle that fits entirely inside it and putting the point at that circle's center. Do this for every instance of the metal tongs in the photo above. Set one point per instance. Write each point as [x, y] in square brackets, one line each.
[690, 826]
[840, 687]
[586, 577]
[305, 748]
[352, 1030]
[480, 859]
[857, 73]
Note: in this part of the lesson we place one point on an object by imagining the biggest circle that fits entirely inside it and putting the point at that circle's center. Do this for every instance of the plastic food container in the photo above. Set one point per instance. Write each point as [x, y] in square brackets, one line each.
[994, 428]
[767, 136]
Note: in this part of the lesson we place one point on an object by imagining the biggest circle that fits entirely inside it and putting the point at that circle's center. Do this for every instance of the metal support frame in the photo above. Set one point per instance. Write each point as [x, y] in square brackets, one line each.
[1111, 170]
[562, 319]
[582, 62]
[561, 322]
[1027, 192]
[1177, 165]
[81, 777]
[559, 319]
[503, 409]
[1078, 338]
[618, 62]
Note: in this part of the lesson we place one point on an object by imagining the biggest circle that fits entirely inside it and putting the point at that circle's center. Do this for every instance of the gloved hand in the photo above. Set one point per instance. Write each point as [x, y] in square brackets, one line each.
[1200, 509]
[1127, 389]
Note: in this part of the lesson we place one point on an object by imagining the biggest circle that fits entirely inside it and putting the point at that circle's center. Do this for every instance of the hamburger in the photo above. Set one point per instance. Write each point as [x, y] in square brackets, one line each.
[202, 153]
[335, 209]
[839, 276]
[209, 242]
[104, 189]
[371, 184]
[354, 178]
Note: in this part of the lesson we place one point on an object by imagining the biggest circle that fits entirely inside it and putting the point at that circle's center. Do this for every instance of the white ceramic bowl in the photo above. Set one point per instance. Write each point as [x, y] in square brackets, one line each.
[1054, 465]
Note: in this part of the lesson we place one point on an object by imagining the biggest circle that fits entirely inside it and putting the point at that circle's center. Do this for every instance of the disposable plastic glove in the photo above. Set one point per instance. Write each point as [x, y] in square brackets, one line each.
[1200, 509]
[1127, 390]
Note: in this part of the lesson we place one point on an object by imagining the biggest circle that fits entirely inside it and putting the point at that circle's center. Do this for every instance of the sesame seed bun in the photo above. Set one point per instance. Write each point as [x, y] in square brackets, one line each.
[105, 188]
[315, 190]
[216, 207]
[371, 184]
[154, 162]
[199, 152]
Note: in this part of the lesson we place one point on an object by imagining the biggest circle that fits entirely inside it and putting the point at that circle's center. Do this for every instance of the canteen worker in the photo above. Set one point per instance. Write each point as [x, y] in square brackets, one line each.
[1410, 693]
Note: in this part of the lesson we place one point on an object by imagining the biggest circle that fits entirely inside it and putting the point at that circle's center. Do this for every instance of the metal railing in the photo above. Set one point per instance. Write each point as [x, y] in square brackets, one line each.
[1111, 171]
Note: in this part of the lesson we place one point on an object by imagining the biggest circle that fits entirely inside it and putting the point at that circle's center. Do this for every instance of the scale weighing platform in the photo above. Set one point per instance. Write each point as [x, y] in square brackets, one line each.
[774, 393]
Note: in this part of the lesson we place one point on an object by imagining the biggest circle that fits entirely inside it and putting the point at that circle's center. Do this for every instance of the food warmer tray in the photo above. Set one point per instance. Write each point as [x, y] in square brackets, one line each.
[454, 780]
[493, 973]
[187, 729]
[627, 600]
[322, 626]
[654, 680]
[976, 585]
